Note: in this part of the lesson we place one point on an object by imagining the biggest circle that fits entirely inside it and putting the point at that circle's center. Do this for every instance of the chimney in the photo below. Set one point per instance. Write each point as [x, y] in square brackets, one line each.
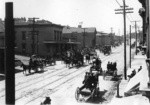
[79, 26]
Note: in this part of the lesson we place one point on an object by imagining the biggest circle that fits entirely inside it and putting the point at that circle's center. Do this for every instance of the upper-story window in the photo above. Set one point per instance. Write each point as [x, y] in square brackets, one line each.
[57, 35]
[23, 35]
[15, 34]
[60, 35]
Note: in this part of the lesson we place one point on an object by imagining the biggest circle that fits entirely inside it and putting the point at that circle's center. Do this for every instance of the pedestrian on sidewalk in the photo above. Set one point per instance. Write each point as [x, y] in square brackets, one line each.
[132, 74]
[140, 68]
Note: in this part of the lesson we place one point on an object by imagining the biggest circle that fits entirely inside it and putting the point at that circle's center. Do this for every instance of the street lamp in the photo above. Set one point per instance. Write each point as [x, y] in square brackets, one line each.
[84, 38]
[26, 43]
[37, 43]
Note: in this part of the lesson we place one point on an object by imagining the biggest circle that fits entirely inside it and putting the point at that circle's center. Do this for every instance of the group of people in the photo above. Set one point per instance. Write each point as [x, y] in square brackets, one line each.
[111, 66]
[91, 79]
[73, 57]
[35, 63]
[134, 73]
[96, 65]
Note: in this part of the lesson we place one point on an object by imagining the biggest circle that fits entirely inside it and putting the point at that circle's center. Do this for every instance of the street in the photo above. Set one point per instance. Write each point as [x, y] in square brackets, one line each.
[60, 83]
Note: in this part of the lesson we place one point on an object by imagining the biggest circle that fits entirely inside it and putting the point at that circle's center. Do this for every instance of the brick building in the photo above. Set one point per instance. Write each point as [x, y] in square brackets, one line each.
[2, 37]
[46, 41]
[144, 12]
[82, 37]
[103, 39]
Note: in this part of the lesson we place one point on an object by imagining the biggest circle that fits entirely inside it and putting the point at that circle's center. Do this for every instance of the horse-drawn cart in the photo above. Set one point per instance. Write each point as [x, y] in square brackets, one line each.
[107, 49]
[90, 88]
[111, 69]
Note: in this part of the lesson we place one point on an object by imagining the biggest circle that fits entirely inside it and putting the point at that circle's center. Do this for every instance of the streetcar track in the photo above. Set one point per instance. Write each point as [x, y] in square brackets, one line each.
[45, 68]
[104, 58]
[60, 78]
[41, 77]
[55, 88]
[76, 70]
[29, 79]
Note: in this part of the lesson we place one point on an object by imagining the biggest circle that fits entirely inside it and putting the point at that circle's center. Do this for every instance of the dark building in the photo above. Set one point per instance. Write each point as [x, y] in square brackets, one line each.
[81, 37]
[2, 38]
[103, 39]
[45, 40]
[144, 12]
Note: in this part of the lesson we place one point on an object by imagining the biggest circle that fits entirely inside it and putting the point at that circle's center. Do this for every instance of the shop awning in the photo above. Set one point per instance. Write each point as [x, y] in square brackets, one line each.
[134, 82]
[60, 42]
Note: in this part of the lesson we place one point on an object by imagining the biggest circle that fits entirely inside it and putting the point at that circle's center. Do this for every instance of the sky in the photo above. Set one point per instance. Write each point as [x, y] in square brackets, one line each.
[92, 13]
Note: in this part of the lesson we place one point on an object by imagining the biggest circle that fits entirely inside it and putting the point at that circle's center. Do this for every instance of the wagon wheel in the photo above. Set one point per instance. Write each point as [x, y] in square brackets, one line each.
[77, 93]
[97, 92]
[93, 93]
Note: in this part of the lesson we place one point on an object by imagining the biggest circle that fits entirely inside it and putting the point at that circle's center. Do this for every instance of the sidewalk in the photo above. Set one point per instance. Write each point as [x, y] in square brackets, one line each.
[140, 80]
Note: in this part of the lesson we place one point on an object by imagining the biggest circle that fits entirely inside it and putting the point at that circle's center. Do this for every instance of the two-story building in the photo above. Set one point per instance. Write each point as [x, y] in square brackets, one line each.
[82, 37]
[144, 12]
[2, 38]
[42, 38]
[103, 39]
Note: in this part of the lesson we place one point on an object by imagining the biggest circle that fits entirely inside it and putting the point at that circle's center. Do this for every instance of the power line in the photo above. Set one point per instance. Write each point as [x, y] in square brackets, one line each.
[124, 10]
[128, 10]
[118, 3]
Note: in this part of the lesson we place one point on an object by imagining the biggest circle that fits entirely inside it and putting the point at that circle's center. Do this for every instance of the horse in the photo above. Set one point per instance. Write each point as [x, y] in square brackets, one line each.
[25, 68]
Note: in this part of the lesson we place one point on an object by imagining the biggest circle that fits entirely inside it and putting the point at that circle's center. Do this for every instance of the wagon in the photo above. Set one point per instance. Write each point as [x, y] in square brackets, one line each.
[89, 91]
[107, 49]
[111, 69]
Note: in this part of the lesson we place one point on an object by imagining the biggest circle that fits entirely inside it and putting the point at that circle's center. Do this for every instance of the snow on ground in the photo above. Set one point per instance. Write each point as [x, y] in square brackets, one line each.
[60, 83]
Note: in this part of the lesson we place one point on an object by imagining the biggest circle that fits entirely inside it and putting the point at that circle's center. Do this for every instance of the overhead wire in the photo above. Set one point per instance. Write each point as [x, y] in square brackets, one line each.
[126, 15]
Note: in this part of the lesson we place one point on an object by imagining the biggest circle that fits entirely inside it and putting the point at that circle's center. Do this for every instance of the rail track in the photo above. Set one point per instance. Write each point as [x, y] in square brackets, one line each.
[45, 77]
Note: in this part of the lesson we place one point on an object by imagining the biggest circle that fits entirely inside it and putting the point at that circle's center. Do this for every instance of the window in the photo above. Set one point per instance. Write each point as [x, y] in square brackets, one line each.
[15, 44]
[54, 35]
[15, 34]
[23, 46]
[23, 35]
[60, 35]
[57, 35]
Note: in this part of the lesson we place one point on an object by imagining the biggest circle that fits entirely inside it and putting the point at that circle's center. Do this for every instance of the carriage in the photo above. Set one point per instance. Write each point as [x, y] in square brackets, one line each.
[111, 69]
[90, 88]
[107, 49]
[35, 63]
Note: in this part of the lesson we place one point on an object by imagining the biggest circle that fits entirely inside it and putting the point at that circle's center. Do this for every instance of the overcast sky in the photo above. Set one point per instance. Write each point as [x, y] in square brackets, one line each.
[93, 13]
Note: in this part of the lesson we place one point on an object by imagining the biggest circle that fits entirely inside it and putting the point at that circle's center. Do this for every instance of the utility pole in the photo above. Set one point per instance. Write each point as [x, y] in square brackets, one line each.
[136, 35]
[33, 33]
[130, 46]
[37, 42]
[84, 38]
[9, 55]
[124, 11]
[112, 36]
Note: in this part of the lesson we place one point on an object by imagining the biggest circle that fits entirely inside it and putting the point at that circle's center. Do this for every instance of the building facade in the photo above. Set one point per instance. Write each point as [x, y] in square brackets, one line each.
[144, 12]
[2, 38]
[82, 37]
[42, 39]
[103, 39]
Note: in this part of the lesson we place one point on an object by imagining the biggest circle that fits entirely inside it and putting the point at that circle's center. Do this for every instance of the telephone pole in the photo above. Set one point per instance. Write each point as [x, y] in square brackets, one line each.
[84, 38]
[33, 33]
[124, 9]
[130, 46]
[9, 55]
[112, 39]
[136, 35]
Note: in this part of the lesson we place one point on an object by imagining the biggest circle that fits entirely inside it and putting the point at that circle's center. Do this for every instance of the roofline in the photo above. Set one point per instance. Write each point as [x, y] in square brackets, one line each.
[37, 25]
